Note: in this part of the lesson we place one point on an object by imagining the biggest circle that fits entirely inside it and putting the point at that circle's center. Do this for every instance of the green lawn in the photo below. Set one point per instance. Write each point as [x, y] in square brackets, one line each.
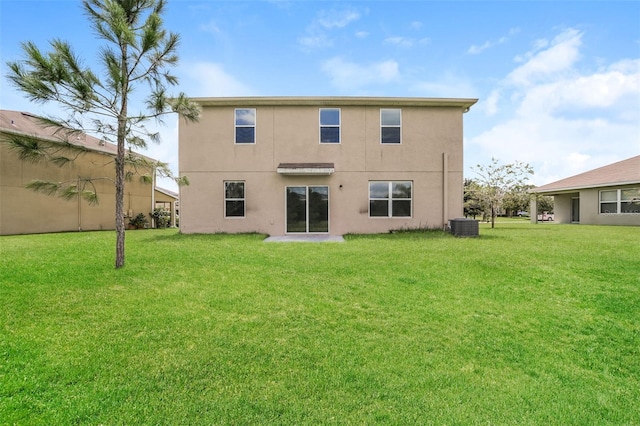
[528, 324]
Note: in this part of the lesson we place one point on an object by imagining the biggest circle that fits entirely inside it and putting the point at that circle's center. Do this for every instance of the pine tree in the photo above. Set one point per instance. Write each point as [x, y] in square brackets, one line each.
[136, 54]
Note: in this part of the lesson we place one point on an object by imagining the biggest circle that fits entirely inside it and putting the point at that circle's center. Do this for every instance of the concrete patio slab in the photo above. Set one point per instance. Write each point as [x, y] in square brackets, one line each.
[305, 239]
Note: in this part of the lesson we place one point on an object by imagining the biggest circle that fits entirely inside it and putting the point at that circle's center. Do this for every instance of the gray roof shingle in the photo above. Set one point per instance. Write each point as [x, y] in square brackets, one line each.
[28, 124]
[621, 173]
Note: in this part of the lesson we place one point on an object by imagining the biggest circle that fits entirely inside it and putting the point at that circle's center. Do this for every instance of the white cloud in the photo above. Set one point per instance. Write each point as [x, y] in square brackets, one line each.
[336, 18]
[404, 42]
[447, 85]
[490, 104]
[317, 33]
[210, 79]
[350, 76]
[576, 158]
[604, 89]
[476, 50]
[210, 27]
[560, 118]
[559, 57]
[315, 41]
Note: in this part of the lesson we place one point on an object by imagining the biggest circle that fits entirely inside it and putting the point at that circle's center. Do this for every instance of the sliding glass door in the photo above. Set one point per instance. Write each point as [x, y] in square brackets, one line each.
[307, 209]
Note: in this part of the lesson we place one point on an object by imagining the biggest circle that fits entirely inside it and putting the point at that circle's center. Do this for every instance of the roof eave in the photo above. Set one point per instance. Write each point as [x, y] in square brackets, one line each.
[578, 188]
[79, 145]
[464, 103]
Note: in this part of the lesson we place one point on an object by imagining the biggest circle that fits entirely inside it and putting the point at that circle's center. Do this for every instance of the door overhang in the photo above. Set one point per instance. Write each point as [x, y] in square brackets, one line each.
[306, 169]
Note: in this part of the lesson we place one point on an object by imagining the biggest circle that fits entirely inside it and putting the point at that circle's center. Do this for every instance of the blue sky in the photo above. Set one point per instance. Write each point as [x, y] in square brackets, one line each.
[558, 82]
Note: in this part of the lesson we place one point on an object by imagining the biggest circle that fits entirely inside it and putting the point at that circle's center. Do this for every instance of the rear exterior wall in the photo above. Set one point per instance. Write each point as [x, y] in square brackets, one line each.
[430, 155]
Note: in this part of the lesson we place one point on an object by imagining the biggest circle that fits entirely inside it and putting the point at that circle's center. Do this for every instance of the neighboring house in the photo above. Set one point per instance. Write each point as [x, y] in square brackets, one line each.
[23, 211]
[608, 195]
[322, 165]
[167, 200]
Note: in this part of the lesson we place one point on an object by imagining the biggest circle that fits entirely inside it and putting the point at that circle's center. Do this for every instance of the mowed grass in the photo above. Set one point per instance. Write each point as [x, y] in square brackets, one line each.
[527, 324]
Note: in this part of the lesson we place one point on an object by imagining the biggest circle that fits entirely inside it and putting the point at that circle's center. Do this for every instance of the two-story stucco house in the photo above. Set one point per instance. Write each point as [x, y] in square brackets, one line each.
[322, 165]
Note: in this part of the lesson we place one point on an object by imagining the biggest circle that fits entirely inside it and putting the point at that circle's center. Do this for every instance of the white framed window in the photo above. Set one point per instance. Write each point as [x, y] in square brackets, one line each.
[620, 201]
[329, 125]
[390, 126]
[245, 125]
[390, 199]
[234, 199]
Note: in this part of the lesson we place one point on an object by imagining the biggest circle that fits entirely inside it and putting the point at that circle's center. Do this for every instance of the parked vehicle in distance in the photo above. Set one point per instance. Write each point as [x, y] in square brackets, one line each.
[523, 213]
[545, 216]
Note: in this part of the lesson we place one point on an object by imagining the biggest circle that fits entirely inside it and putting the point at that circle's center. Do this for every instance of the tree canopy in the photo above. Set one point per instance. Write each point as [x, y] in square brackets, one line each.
[498, 180]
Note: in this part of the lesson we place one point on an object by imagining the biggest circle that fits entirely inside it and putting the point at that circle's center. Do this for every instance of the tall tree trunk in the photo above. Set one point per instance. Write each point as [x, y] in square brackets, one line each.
[120, 156]
[120, 204]
[122, 130]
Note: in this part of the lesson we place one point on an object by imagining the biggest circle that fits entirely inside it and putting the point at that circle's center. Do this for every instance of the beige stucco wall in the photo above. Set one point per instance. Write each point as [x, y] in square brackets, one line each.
[562, 207]
[23, 211]
[160, 196]
[290, 134]
[590, 208]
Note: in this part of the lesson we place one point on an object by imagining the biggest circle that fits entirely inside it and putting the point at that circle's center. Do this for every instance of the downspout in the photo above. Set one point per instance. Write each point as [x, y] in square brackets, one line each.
[153, 197]
[445, 189]
[79, 206]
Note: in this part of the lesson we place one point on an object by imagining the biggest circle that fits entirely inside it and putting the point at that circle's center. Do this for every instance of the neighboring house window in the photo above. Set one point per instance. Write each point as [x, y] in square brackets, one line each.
[329, 125]
[234, 201]
[245, 121]
[620, 201]
[390, 199]
[390, 125]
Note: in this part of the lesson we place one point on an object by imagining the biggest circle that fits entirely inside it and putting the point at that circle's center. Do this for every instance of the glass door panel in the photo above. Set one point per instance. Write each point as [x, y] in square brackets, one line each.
[297, 209]
[318, 209]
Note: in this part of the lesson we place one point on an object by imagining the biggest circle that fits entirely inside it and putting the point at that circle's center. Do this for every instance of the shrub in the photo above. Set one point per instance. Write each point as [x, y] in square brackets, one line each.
[139, 222]
[162, 217]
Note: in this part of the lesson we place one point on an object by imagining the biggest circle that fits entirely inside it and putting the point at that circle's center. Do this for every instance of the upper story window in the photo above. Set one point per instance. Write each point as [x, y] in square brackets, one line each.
[329, 125]
[617, 201]
[390, 125]
[245, 123]
[390, 199]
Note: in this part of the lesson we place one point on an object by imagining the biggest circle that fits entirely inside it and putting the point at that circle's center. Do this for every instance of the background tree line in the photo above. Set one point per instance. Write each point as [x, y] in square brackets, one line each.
[501, 190]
